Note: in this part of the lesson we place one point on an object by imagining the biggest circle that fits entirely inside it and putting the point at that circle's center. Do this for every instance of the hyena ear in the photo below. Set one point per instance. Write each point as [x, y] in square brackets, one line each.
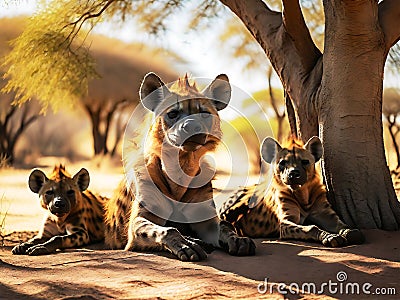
[314, 145]
[152, 91]
[269, 149]
[220, 91]
[36, 180]
[82, 179]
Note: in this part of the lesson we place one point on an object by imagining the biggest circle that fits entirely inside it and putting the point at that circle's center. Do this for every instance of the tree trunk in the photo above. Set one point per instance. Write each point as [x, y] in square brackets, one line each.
[341, 91]
[99, 140]
[392, 127]
[351, 117]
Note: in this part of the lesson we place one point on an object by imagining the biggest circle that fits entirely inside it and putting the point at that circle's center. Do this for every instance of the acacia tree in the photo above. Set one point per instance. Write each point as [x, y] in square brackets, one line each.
[101, 114]
[391, 112]
[337, 94]
[13, 123]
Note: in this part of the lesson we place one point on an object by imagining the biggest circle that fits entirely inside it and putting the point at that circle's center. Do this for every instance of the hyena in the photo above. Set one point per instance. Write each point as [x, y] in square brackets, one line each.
[145, 215]
[74, 215]
[294, 204]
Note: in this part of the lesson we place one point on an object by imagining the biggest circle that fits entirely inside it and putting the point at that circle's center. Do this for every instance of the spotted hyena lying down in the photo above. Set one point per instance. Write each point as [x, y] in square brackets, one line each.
[74, 216]
[156, 211]
[294, 205]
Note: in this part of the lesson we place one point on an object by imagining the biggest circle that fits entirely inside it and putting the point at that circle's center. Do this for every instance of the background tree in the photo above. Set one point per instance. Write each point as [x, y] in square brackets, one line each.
[112, 95]
[337, 94]
[391, 112]
[14, 121]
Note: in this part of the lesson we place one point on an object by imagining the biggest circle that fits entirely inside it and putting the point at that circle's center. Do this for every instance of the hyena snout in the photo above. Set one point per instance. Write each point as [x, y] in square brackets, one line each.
[294, 173]
[191, 132]
[191, 127]
[59, 206]
[294, 176]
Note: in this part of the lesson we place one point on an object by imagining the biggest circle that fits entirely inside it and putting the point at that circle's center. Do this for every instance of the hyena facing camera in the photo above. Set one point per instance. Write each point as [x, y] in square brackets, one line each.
[172, 187]
[74, 215]
[294, 204]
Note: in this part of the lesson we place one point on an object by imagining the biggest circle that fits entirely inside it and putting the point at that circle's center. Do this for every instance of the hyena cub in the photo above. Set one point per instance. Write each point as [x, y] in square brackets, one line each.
[163, 208]
[74, 217]
[295, 197]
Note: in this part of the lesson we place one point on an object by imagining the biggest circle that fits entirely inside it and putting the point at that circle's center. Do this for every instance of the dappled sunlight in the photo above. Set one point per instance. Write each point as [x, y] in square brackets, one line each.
[365, 264]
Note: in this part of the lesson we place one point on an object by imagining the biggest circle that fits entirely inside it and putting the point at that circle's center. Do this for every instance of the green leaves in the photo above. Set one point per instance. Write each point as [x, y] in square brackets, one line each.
[49, 60]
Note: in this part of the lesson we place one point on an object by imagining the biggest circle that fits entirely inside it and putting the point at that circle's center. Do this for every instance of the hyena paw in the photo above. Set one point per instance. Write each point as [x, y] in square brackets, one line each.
[209, 248]
[21, 249]
[239, 246]
[334, 240]
[352, 236]
[38, 250]
[184, 249]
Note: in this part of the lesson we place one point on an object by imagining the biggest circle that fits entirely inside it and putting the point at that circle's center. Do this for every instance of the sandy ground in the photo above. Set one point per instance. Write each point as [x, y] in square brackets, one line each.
[290, 268]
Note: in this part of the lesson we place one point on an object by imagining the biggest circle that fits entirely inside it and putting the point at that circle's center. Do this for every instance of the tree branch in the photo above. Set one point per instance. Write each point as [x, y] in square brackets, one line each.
[109, 116]
[296, 27]
[389, 16]
[83, 18]
[24, 123]
[291, 116]
[300, 78]
[8, 116]
[272, 97]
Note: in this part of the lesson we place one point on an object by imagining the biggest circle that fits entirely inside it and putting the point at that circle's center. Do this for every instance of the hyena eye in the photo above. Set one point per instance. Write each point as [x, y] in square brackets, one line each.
[204, 113]
[70, 192]
[305, 162]
[173, 114]
[49, 193]
[282, 164]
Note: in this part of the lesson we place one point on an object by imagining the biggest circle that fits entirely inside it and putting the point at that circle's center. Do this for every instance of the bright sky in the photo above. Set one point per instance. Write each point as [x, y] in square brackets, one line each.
[201, 49]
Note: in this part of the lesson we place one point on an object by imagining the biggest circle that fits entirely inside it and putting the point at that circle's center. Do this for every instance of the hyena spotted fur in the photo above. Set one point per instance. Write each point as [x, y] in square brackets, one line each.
[294, 204]
[74, 215]
[186, 127]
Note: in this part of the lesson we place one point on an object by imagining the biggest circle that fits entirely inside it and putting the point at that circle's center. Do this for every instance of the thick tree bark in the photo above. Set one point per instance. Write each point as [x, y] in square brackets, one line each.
[341, 91]
[351, 116]
[389, 16]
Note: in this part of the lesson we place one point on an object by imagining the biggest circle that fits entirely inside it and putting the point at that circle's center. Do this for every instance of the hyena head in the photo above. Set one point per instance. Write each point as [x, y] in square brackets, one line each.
[293, 163]
[186, 117]
[60, 193]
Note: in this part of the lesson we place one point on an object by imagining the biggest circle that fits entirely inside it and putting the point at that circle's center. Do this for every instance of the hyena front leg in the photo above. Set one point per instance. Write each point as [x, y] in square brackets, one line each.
[290, 228]
[324, 216]
[145, 235]
[23, 247]
[77, 236]
[222, 234]
[48, 230]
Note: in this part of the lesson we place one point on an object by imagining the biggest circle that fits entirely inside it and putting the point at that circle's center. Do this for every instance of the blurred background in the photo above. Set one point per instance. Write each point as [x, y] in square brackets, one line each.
[89, 132]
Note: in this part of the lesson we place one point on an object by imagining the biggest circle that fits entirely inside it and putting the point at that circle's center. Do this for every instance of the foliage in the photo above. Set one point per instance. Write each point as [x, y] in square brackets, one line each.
[49, 60]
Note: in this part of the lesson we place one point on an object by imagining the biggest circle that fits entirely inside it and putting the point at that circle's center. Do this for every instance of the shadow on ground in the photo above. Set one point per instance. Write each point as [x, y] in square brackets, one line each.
[95, 273]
